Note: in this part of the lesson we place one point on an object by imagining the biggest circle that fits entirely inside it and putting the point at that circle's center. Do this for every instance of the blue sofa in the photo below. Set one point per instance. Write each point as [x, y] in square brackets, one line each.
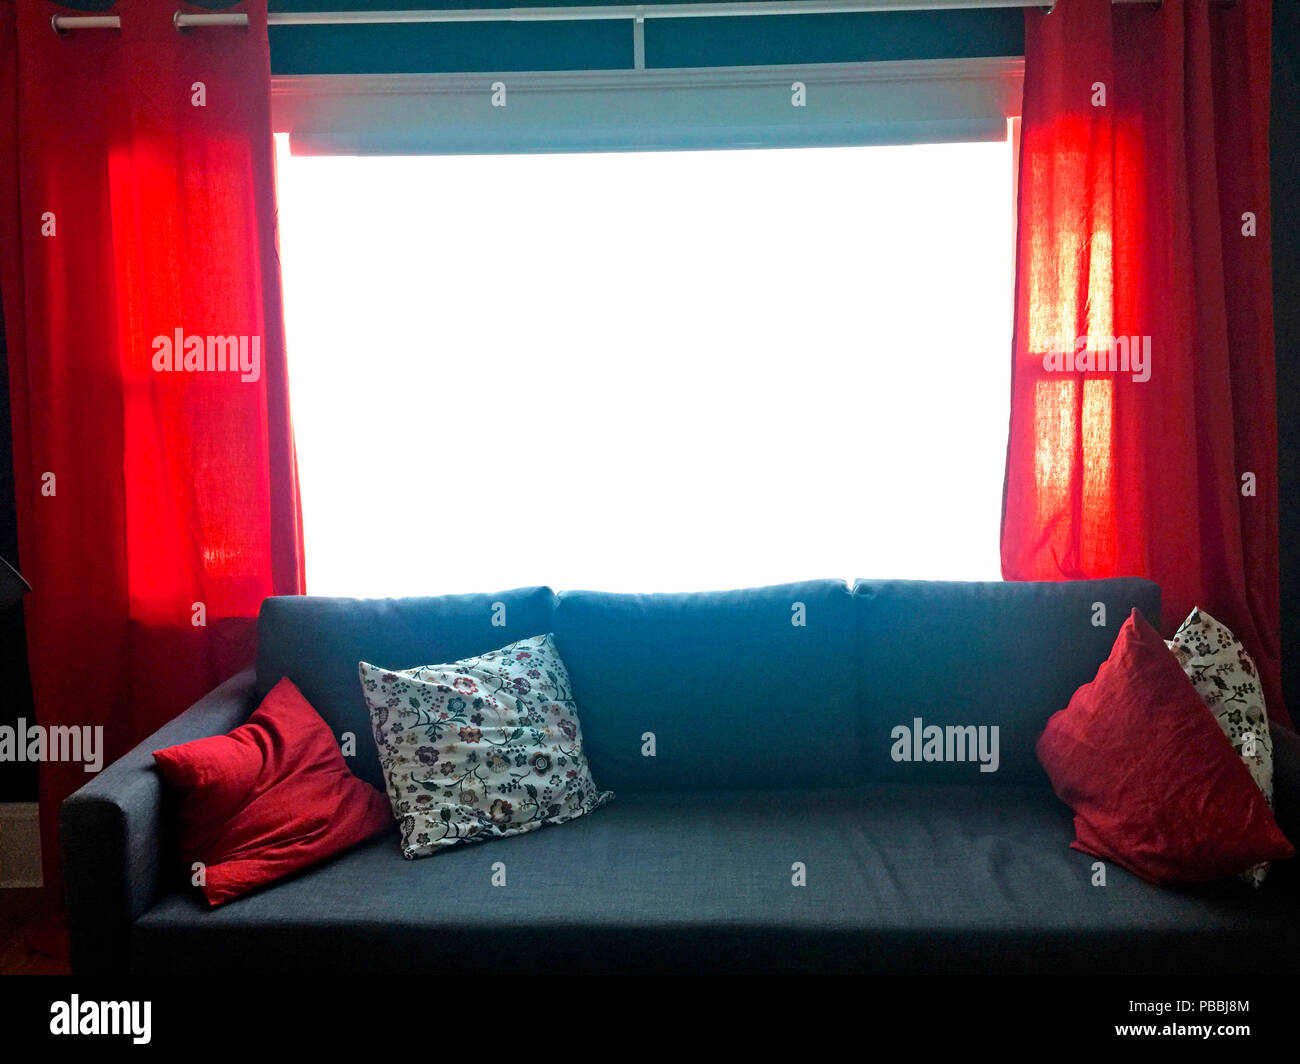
[776, 750]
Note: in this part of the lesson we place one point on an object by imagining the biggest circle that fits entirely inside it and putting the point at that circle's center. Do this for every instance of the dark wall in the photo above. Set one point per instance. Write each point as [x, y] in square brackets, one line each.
[732, 42]
[17, 780]
[1285, 144]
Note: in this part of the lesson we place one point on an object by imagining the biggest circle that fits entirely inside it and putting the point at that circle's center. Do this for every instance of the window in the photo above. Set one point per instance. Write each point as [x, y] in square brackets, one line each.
[648, 371]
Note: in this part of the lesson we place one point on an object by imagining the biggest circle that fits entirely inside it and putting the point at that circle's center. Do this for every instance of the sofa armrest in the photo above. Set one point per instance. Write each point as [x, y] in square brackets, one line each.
[111, 836]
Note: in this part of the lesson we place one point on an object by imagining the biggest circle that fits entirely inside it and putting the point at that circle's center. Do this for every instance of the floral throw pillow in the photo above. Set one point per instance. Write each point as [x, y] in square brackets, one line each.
[481, 748]
[1225, 678]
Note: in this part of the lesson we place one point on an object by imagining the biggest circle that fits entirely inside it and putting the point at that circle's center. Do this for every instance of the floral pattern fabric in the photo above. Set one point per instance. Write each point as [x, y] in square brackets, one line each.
[1224, 676]
[480, 748]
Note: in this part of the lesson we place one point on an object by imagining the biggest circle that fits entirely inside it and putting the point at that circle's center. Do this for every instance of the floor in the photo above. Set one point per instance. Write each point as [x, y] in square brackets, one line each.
[30, 943]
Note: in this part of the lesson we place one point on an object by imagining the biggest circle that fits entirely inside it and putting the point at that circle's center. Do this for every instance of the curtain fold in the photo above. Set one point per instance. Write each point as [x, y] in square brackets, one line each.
[1143, 437]
[155, 473]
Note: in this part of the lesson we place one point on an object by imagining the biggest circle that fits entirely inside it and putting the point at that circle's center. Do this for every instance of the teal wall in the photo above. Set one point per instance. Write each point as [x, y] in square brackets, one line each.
[756, 41]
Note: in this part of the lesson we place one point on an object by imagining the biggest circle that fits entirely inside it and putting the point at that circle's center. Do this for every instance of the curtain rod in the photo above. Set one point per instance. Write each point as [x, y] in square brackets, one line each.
[638, 13]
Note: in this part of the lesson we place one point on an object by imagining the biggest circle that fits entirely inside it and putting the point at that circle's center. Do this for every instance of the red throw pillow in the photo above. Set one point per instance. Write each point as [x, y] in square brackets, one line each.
[270, 798]
[1154, 783]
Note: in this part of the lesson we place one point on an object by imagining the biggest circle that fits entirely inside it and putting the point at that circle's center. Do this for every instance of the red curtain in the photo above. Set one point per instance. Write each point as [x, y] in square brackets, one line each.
[1144, 213]
[157, 497]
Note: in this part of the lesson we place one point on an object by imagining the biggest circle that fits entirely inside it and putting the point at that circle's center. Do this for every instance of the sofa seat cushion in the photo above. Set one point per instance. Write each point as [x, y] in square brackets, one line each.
[921, 879]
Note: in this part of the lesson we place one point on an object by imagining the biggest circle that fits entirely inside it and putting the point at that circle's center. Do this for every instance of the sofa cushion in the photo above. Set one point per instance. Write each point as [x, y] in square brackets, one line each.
[317, 642]
[1225, 677]
[1005, 655]
[1154, 783]
[268, 798]
[481, 748]
[944, 878]
[751, 688]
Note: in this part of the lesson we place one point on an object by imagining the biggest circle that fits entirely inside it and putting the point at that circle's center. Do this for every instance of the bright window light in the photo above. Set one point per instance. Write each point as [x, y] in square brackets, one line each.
[654, 371]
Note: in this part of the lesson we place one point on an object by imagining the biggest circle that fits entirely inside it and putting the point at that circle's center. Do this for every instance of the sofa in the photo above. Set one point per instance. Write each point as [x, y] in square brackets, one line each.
[780, 825]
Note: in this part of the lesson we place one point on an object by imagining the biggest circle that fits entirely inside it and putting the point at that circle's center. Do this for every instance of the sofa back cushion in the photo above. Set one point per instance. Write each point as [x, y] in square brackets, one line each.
[751, 688]
[317, 642]
[963, 656]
